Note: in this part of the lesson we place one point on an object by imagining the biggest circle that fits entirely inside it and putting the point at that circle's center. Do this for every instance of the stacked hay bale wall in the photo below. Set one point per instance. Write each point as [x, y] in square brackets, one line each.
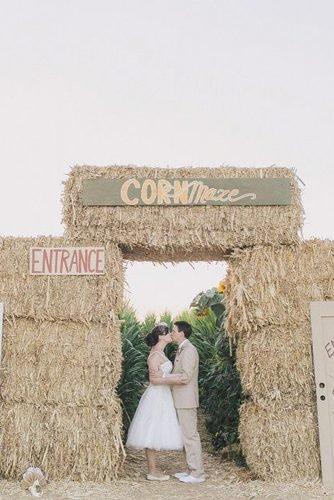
[162, 233]
[268, 306]
[60, 366]
[62, 351]
[269, 294]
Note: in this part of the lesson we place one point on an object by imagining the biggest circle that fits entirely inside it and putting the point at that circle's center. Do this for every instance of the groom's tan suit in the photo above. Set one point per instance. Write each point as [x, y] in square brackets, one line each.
[186, 402]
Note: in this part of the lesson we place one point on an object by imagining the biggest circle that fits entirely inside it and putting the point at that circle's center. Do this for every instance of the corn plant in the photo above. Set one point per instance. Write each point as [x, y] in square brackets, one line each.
[219, 381]
[134, 367]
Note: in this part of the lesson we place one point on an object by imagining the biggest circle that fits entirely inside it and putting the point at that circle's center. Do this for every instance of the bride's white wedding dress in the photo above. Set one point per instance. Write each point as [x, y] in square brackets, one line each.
[155, 424]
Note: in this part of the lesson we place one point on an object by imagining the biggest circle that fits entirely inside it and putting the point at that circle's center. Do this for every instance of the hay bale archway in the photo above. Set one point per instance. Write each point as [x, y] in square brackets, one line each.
[272, 277]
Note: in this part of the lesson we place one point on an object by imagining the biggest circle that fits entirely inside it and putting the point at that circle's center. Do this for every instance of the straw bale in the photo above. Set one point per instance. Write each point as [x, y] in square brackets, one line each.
[275, 363]
[274, 285]
[79, 443]
[280, 442]
[60, 361]
[77, 298]
[82, 386]
[60, 366]
[177, 233]
[61, 342]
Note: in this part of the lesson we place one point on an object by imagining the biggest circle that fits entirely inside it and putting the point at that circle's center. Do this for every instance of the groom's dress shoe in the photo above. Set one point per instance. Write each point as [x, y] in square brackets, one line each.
[192, 480]
[178, 475]
[150, 477]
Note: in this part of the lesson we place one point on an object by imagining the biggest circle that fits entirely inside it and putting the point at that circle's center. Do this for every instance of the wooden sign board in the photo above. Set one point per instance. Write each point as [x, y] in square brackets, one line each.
[322, 319]
[67, 261]
[178, 192]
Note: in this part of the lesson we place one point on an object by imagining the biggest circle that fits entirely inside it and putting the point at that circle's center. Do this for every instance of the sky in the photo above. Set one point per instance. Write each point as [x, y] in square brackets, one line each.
[163, 83]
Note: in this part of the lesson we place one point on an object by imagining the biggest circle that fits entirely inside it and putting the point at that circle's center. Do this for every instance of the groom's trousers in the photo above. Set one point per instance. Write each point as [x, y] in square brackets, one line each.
[191, 440]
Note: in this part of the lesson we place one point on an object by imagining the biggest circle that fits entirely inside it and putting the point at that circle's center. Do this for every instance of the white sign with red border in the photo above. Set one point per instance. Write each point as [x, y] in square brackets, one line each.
[67, 261]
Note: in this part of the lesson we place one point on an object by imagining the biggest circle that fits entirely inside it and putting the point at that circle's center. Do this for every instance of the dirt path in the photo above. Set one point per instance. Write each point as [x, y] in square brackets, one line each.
[224, 481]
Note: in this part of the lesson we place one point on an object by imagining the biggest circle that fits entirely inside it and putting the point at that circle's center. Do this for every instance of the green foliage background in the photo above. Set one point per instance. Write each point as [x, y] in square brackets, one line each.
[219, 382]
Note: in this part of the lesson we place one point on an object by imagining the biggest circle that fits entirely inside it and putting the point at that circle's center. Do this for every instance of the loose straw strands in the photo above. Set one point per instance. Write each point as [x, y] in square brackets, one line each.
[275, 363]
[274, 285]
[280, 442]
[268, 294]
[60, 362]
[64, 441]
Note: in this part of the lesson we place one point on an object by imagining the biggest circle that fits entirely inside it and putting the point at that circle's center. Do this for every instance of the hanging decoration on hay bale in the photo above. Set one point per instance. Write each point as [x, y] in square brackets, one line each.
[33, 480]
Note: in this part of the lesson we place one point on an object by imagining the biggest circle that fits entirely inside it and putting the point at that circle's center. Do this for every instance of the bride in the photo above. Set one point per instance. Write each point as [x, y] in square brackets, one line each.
[155, 425]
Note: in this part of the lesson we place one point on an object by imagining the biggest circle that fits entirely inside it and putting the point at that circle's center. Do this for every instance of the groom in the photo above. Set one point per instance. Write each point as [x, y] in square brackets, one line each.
[185, 395]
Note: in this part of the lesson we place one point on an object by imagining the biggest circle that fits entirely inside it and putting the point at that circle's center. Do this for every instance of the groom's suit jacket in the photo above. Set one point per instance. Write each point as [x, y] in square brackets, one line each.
[186, 363]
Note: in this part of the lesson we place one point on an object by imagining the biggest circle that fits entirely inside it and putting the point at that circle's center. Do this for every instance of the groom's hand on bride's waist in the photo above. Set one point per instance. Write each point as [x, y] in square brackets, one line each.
[156, 376]
[157, 379]
[155, 373]
[170, 379]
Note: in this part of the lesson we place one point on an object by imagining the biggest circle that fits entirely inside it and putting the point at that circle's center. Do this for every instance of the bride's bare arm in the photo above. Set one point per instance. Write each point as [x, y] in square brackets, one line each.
[170, 379]
[156, 375]
[184, 376]
[154, 371]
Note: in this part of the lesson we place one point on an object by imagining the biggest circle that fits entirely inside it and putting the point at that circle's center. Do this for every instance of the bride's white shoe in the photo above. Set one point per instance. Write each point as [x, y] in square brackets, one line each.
[180, 474]
[150, 477]
[192, 479]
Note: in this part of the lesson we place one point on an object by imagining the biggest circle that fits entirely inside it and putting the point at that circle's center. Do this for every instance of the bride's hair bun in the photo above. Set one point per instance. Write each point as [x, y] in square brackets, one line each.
[153, 338]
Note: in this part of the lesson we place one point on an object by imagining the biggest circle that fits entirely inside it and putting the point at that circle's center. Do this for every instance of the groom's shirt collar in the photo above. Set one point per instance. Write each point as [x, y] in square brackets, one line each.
[182, 344]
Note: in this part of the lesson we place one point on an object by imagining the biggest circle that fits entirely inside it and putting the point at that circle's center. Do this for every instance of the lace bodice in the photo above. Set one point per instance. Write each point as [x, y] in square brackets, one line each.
[167, 365]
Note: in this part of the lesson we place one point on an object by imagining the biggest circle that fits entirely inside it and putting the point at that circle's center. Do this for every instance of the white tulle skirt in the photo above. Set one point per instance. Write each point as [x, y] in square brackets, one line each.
[155, 424]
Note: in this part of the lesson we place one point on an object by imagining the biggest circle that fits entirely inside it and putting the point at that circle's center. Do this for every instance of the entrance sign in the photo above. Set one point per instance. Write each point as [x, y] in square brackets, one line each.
[322, 319]
[67, 261]
[176, 192]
